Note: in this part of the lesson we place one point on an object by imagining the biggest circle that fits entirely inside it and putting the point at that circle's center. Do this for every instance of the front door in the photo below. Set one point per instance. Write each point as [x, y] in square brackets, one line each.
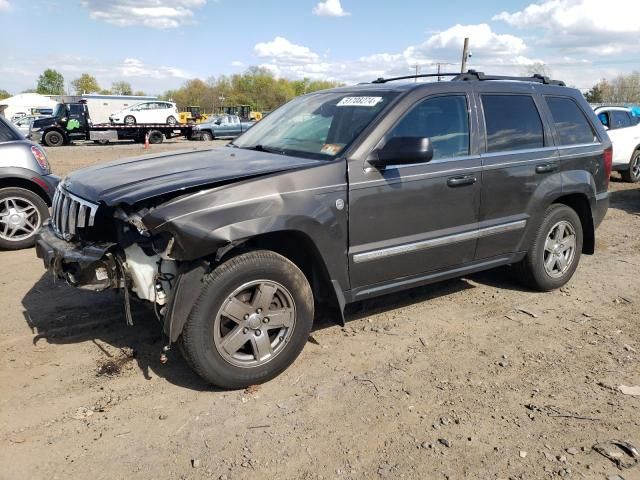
[408, 220]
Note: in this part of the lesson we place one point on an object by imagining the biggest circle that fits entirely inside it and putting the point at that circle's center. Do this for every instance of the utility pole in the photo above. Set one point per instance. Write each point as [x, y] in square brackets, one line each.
[465, 55]
[416, 66]
[438, 64]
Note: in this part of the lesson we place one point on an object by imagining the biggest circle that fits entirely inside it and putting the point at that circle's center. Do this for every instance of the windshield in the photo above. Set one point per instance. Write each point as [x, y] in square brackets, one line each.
[60, 110]
[319, 125]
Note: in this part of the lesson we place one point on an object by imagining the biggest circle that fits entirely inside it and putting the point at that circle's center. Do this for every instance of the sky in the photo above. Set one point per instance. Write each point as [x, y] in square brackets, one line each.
[156, 45]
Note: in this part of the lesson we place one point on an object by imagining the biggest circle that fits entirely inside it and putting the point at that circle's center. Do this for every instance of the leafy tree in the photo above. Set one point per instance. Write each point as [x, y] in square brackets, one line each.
[50, 82]
[105, 91]
[4, 94]
[85, 84]
[598, 92]
[140, 93]
[121, 88]
[256, 87]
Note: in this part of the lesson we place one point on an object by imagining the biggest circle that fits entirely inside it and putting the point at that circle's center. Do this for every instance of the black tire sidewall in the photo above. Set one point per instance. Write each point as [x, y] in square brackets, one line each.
[36, 200]
[155, 137]
[124, 120]
[174, 122]
[198, 332]
[629, 176]
[55, 134]
[554, 214]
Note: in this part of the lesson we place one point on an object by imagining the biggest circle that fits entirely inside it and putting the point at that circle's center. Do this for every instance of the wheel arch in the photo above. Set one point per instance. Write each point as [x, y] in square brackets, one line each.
[294, 245]
[27, 184]
[580, 203]
[56, 129]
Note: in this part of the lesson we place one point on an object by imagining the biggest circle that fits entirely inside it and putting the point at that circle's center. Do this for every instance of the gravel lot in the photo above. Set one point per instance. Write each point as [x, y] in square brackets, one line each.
[470, 378]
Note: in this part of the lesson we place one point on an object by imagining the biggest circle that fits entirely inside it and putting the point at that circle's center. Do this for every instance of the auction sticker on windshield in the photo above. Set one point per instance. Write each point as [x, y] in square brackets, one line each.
[359, 102]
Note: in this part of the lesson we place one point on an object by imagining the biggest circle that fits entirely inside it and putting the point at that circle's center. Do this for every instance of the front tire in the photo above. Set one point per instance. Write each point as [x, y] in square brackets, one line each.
[53, 139]
[554, 255]
[632, 174]
[22, 212]
[129, 120]
[250, 321]
[206, 136]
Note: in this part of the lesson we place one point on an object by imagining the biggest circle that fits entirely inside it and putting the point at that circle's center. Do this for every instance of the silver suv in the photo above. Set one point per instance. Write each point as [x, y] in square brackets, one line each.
[26, 188]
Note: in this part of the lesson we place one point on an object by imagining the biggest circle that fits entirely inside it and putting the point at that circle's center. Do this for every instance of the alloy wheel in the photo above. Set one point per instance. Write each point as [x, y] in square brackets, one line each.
[19, 219]
[254, 323]
[559, 249]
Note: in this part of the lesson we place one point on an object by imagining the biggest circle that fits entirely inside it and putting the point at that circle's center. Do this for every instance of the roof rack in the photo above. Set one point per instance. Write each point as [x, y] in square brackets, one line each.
[471, 75]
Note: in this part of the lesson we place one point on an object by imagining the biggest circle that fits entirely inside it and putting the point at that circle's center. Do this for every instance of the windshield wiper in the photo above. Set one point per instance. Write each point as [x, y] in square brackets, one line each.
[262, 148]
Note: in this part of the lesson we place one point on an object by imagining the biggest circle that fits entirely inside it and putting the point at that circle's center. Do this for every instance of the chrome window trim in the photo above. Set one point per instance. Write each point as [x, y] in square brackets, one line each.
[437, 242]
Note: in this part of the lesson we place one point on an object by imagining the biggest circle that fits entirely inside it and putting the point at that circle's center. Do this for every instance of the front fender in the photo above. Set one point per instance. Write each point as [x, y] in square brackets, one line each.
[302, 200]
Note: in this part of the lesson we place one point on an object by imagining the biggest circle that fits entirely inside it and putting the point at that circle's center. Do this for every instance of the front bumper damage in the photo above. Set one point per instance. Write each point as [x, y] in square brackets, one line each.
[91, 266]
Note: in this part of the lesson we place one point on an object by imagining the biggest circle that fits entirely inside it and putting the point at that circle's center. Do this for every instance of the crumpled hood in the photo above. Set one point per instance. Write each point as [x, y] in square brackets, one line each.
[135, 179]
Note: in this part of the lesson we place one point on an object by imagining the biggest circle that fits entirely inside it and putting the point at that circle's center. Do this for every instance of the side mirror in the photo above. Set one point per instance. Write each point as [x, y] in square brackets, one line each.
[402, 150]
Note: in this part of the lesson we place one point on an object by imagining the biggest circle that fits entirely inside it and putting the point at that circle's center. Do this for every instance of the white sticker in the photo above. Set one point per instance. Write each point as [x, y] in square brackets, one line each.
[359, 102]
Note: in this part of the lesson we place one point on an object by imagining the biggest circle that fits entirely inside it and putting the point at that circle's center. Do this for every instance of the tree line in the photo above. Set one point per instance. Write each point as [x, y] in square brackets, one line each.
[256, 87]
[260, 89]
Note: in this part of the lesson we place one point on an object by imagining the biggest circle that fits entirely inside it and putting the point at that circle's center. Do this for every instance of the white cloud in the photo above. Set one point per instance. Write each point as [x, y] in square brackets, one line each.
[329, 8]
[237, 64]
[148, 13]
[588, 26]
[287, 59]
[281, 48]
[132, 67]
[4, 5]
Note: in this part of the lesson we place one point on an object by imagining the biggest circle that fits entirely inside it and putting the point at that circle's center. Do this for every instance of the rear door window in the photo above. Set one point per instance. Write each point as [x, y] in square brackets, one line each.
[572, 126]
[512, 123]
[620, 119]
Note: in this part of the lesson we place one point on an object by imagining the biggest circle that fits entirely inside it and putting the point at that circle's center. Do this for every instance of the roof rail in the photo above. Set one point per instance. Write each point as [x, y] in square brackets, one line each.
[422, 75]
[474, 75]
[536, 77]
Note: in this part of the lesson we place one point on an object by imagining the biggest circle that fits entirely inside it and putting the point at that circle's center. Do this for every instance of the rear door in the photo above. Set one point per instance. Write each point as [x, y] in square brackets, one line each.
[518, 156]
[624, 135]
[409, 220]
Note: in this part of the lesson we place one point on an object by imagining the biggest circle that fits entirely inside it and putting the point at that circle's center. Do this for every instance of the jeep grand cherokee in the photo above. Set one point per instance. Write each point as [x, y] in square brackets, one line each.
[335, 197]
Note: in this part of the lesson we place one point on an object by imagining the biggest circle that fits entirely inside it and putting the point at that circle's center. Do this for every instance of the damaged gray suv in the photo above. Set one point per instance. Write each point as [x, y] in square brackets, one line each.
[336, 197]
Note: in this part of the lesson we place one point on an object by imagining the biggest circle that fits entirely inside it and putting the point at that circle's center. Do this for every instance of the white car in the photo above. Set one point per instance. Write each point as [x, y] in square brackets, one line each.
[23, 124]
[624, 131]
[147, 112]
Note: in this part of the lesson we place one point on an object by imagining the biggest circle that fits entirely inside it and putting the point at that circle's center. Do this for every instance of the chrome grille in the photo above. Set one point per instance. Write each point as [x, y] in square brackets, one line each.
[70, 213]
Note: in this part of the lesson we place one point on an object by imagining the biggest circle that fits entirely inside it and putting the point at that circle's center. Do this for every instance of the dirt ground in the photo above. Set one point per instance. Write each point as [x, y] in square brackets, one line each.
[471, 378]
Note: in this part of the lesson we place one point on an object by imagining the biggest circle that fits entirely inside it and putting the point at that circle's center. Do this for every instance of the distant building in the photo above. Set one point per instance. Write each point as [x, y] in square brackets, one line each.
[26, 104]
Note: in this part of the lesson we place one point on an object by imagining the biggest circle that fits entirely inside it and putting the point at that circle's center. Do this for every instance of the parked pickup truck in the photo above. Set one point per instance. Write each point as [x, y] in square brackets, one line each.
[337, 196]
[624, 131]
[221, 126]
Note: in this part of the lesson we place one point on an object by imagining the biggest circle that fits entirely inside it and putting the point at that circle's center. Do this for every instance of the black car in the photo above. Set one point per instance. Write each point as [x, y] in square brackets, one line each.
[336, 197]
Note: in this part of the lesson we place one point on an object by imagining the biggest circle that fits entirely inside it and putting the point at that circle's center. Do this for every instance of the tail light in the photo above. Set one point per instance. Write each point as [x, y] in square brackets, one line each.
[608, 163]
[41, 158]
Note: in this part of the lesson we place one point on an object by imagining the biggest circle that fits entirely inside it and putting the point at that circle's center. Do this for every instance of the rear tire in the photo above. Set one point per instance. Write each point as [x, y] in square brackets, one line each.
[172, 120]
[632, 174]
[22, 213]
[53, 139]
[250, 321]
[554, 255]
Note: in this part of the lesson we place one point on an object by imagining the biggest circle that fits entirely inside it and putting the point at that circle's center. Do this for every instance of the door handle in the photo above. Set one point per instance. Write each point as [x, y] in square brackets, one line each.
[546, 167]
[461, 181]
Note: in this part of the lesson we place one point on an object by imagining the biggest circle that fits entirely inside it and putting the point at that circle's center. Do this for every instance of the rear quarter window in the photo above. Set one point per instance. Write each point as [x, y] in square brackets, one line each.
[7, 133]
[571, 125]
[512, 123]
